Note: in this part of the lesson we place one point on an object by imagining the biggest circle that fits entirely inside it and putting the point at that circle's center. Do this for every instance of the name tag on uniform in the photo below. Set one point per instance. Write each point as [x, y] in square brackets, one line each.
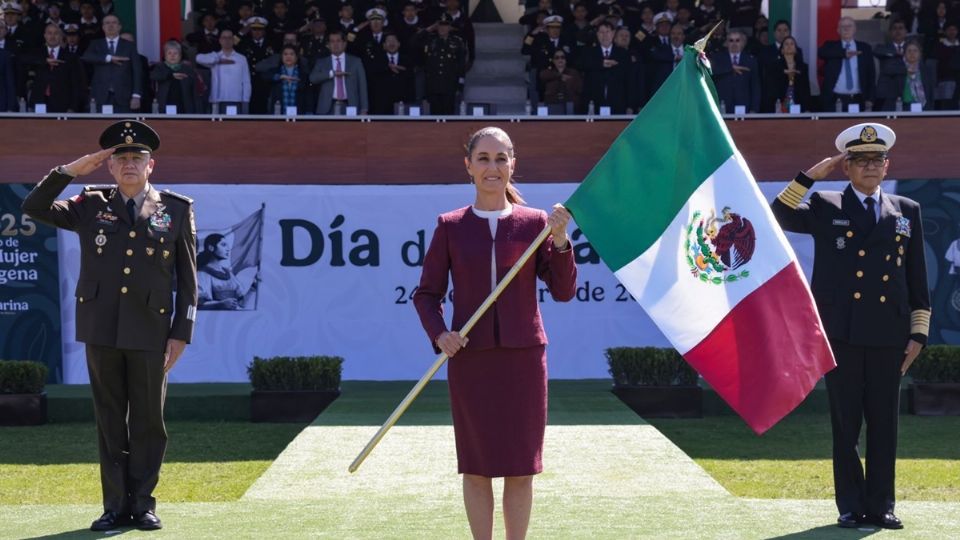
[842, 222]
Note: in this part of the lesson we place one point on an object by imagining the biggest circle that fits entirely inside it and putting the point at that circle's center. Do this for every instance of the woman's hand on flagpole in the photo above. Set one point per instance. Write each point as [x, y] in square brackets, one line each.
[822, 169]
[558, 220]
[451, 342]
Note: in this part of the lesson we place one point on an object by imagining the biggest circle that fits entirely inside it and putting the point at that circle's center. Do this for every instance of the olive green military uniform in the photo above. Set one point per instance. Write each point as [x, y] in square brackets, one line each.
[137, 289]
[445, 63]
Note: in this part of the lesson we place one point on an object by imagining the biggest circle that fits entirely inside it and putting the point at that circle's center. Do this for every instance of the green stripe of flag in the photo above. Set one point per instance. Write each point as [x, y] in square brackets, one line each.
[652, 168]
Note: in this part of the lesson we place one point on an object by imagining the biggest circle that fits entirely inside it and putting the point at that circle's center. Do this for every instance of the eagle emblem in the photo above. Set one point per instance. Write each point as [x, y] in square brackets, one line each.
[717, 248]
[868, 134]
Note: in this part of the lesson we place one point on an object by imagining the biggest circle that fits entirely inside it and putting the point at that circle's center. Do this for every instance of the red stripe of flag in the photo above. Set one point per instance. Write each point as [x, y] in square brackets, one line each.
[768, 353]
[171, 26]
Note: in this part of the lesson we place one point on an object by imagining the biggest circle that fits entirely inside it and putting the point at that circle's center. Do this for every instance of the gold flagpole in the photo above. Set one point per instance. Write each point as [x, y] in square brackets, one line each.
[417, 388]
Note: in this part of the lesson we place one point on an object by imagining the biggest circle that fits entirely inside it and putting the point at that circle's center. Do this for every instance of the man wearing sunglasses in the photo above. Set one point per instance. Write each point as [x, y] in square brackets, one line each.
[870, 285]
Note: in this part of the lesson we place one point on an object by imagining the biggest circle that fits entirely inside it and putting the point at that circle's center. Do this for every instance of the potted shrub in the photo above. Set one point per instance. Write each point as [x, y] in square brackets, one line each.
[22, 399]
[293, 389]
[655, 382]
[935, 389]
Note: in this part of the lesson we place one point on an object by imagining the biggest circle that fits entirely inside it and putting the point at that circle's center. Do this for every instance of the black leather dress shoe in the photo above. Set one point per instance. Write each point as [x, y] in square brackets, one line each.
[850, 520]
[109, 521]
[887, 521]
[147, 521]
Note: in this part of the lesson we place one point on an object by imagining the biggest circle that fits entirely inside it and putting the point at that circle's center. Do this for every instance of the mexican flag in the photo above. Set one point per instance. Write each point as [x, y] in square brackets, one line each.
[674, 211]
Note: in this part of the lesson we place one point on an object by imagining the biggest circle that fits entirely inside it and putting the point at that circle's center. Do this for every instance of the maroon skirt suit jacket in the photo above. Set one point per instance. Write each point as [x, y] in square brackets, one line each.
[498, 382]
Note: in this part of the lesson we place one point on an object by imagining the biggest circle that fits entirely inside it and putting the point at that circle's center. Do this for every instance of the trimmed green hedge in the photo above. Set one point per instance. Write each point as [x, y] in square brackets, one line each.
[296, 373]
[649, 366]
[22, 377]
[937, 364]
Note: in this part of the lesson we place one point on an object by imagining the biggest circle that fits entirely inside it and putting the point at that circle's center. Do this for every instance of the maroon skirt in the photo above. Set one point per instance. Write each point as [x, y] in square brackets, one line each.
[499, 402]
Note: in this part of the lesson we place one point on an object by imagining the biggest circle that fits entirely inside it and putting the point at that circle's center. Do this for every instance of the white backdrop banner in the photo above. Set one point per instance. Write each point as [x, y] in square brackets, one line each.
[337, 268]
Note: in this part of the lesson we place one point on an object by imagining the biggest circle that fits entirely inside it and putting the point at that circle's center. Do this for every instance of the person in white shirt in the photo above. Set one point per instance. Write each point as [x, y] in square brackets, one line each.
[230, 83]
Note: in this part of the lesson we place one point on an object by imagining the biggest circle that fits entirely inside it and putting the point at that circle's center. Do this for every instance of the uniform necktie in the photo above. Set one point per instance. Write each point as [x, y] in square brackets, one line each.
[606, 53]
[899, 48]
[113, 47]
[132, 210]
[736, 59]
[341, 90]
[872, 209]
[848, 68]
[393, 59]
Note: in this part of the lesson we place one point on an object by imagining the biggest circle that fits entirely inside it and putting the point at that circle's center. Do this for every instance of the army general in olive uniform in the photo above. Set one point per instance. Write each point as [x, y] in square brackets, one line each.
[870, 285]
[445, 66]
[136, 304]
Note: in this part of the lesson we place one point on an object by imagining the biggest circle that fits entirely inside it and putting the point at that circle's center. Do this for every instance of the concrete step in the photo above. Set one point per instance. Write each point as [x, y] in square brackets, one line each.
[496, 90]
[499, 38]
[498, 65]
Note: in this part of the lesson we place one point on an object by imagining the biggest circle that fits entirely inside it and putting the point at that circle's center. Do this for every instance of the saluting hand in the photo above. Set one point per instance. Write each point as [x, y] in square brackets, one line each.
[909, 355]
[88, 163]
[558, 220]
[822, 169]
[175, 348]
[451, 342]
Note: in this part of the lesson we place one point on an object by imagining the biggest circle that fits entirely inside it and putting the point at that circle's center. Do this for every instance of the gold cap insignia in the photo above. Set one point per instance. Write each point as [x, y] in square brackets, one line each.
[128, 139]
[126, 124]
[868, 134]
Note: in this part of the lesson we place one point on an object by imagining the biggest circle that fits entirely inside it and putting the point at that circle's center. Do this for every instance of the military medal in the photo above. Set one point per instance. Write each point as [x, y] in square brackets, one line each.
[166, 254]
[903, 226]
[841, 242]
[150, 251]
[100, 240]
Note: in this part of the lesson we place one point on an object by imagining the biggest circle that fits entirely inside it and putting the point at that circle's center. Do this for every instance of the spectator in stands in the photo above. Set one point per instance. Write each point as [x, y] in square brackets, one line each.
[948, 65]
[8, 86]
[790, 78]
[461, 26]
[910, 79]
[756, 40]
[605, 68]
[910, 12]
[741, 14]
[531, 19]
[541, 47]
[59, 80]
[892, 53]
[579, 31]
[672, 9]
[19, 33]
[117, 70]
[230, 76]
[687, 24]
[315, 43]
[241, 21]
[562, 85]
[848, 71]
[176, 81]
[771, 74]
[660, 56]
[647, 26]
[288, 75]
[90, 25]
[146, 98]
[445, 66]
[254, 47]
[707, 15]
[736, 75]
[105, 7]
[366, 40]
[71, 33]
[341, 78]
[345, 22]
[635, 69]
[934, 28]
[54, 15]
[392, 78]
[410, 29]
[207, 38]
[279, 23]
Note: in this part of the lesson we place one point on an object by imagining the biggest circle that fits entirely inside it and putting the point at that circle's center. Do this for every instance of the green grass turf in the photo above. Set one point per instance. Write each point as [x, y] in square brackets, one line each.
[792, 460]
[205, 461]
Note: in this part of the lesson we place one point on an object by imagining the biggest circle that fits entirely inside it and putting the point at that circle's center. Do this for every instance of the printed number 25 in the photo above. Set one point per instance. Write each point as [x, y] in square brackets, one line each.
[9, 224]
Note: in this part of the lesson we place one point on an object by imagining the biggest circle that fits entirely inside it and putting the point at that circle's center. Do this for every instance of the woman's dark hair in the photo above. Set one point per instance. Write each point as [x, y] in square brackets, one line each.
[209, 246]
[292, 48]
[513, 194]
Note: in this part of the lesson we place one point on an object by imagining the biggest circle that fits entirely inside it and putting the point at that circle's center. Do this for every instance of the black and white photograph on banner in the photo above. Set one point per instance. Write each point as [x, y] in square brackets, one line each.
[228, 265]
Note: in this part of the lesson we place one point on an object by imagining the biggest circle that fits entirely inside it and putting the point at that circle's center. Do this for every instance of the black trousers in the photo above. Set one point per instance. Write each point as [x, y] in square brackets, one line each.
[865, 386]
[443, 103]
[129, 389]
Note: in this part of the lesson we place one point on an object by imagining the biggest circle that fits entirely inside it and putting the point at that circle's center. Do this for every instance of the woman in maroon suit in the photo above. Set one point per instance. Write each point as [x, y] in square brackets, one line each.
[498, 382]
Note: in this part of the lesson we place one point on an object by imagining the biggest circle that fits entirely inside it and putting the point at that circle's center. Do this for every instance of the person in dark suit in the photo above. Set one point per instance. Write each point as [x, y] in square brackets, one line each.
[562, 85]
[849, 73]
[392, 77]
[288, 75]
[136, 306]
[604, 68]
[870, 286]
[59, 80]
[117, 71]
[771, 72]
[176, 81]
[736, 75]
[910, 79]
[8, 83]
[662, 55]
[789, 77]
[255, 47]
[541, 46]
[498, 380]
[341, 78]
[207, 38]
